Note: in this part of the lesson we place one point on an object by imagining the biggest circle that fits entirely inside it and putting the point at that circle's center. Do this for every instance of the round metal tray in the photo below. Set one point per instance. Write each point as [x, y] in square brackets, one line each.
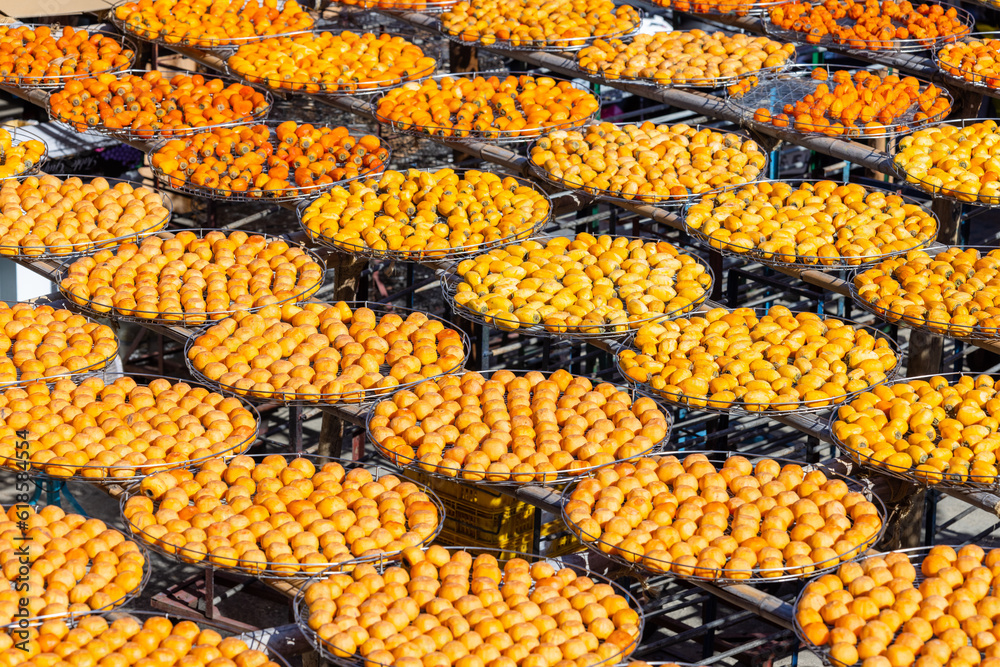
[562, 45]
[366, 88]
[77, 250]
[391, 6]
[127, 134]
[58, 304]
[72, 617]
[940, 192]
[19, 135]
[965, 77]
[795, 83]
[119, 474]
[444, 255]
[559, 477]
[283, 571]
[913, 45]
[86, 305]
[723, 7]
[492, 136]
[293, 193]
[210, 44]
[959, 332]
[705, 404]
[635, 561]
[450, 281]
[616, 196]
[941, 480]
[782, 260]
[129, 49]
[358, 398]
[327, 653]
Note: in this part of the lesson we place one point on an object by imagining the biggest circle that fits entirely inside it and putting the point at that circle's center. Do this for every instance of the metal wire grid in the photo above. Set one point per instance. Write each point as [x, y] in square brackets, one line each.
[723, 577]
[129, 48]
[359, 398]
[115, 312]
[513, 480]
[124, 473]
[274, 570]
[445, 255]
[657, 199]
[58, 253]
[130, 135]
[911, 45]
[584, 331]
[794, 84]
[740, 408]
[291, 194]
[491, 136]
[789, 261]
[328, 653]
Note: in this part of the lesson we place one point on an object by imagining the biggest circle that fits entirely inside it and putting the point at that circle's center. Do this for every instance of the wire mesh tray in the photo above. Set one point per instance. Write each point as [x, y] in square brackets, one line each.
[967, 77]
[946, 329]
[638, 561]
[118, 473]
[723, 7]
[584, 331]
[911, 45]
[290, 194]
[561, 45]
[205, 43]
[114, 312]
[129, 49]
[362, 399]
[739, 408]
[939, 191]
[789, 261]
[128, 134]
[583, 568]
[657, 199]
[19, 135]
[786, 88]
[71, 617]
[709, 83]
[491, 135]
[359, 88]
[916, 556]
[58, 304]
[444, 254]
[933, 479]
[420, 6]
[275, 570]
[512, 479]
[59, 253]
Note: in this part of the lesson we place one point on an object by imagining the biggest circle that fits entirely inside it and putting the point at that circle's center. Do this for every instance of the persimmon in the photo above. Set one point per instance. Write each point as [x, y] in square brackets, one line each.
[193, 279]
[781, 376]
[120, 428]
[950, 292]
[956, 160]
[325, 62]
[687, 492]
[487, 107]
[822, 222]
[44, 215]
[455, 445]
[40, 342]
[211, 24]
[33, 56]
[693, 58]
[324, 352]
[585, 284]
[281, 161]
[647, 162]
[459, 202]
[155, 103]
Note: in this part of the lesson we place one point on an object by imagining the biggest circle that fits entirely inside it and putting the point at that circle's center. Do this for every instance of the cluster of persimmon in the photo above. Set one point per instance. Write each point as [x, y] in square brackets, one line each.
[859, 103]
[37, 56]
[975, 60]
[154, 104]
[280, 162]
